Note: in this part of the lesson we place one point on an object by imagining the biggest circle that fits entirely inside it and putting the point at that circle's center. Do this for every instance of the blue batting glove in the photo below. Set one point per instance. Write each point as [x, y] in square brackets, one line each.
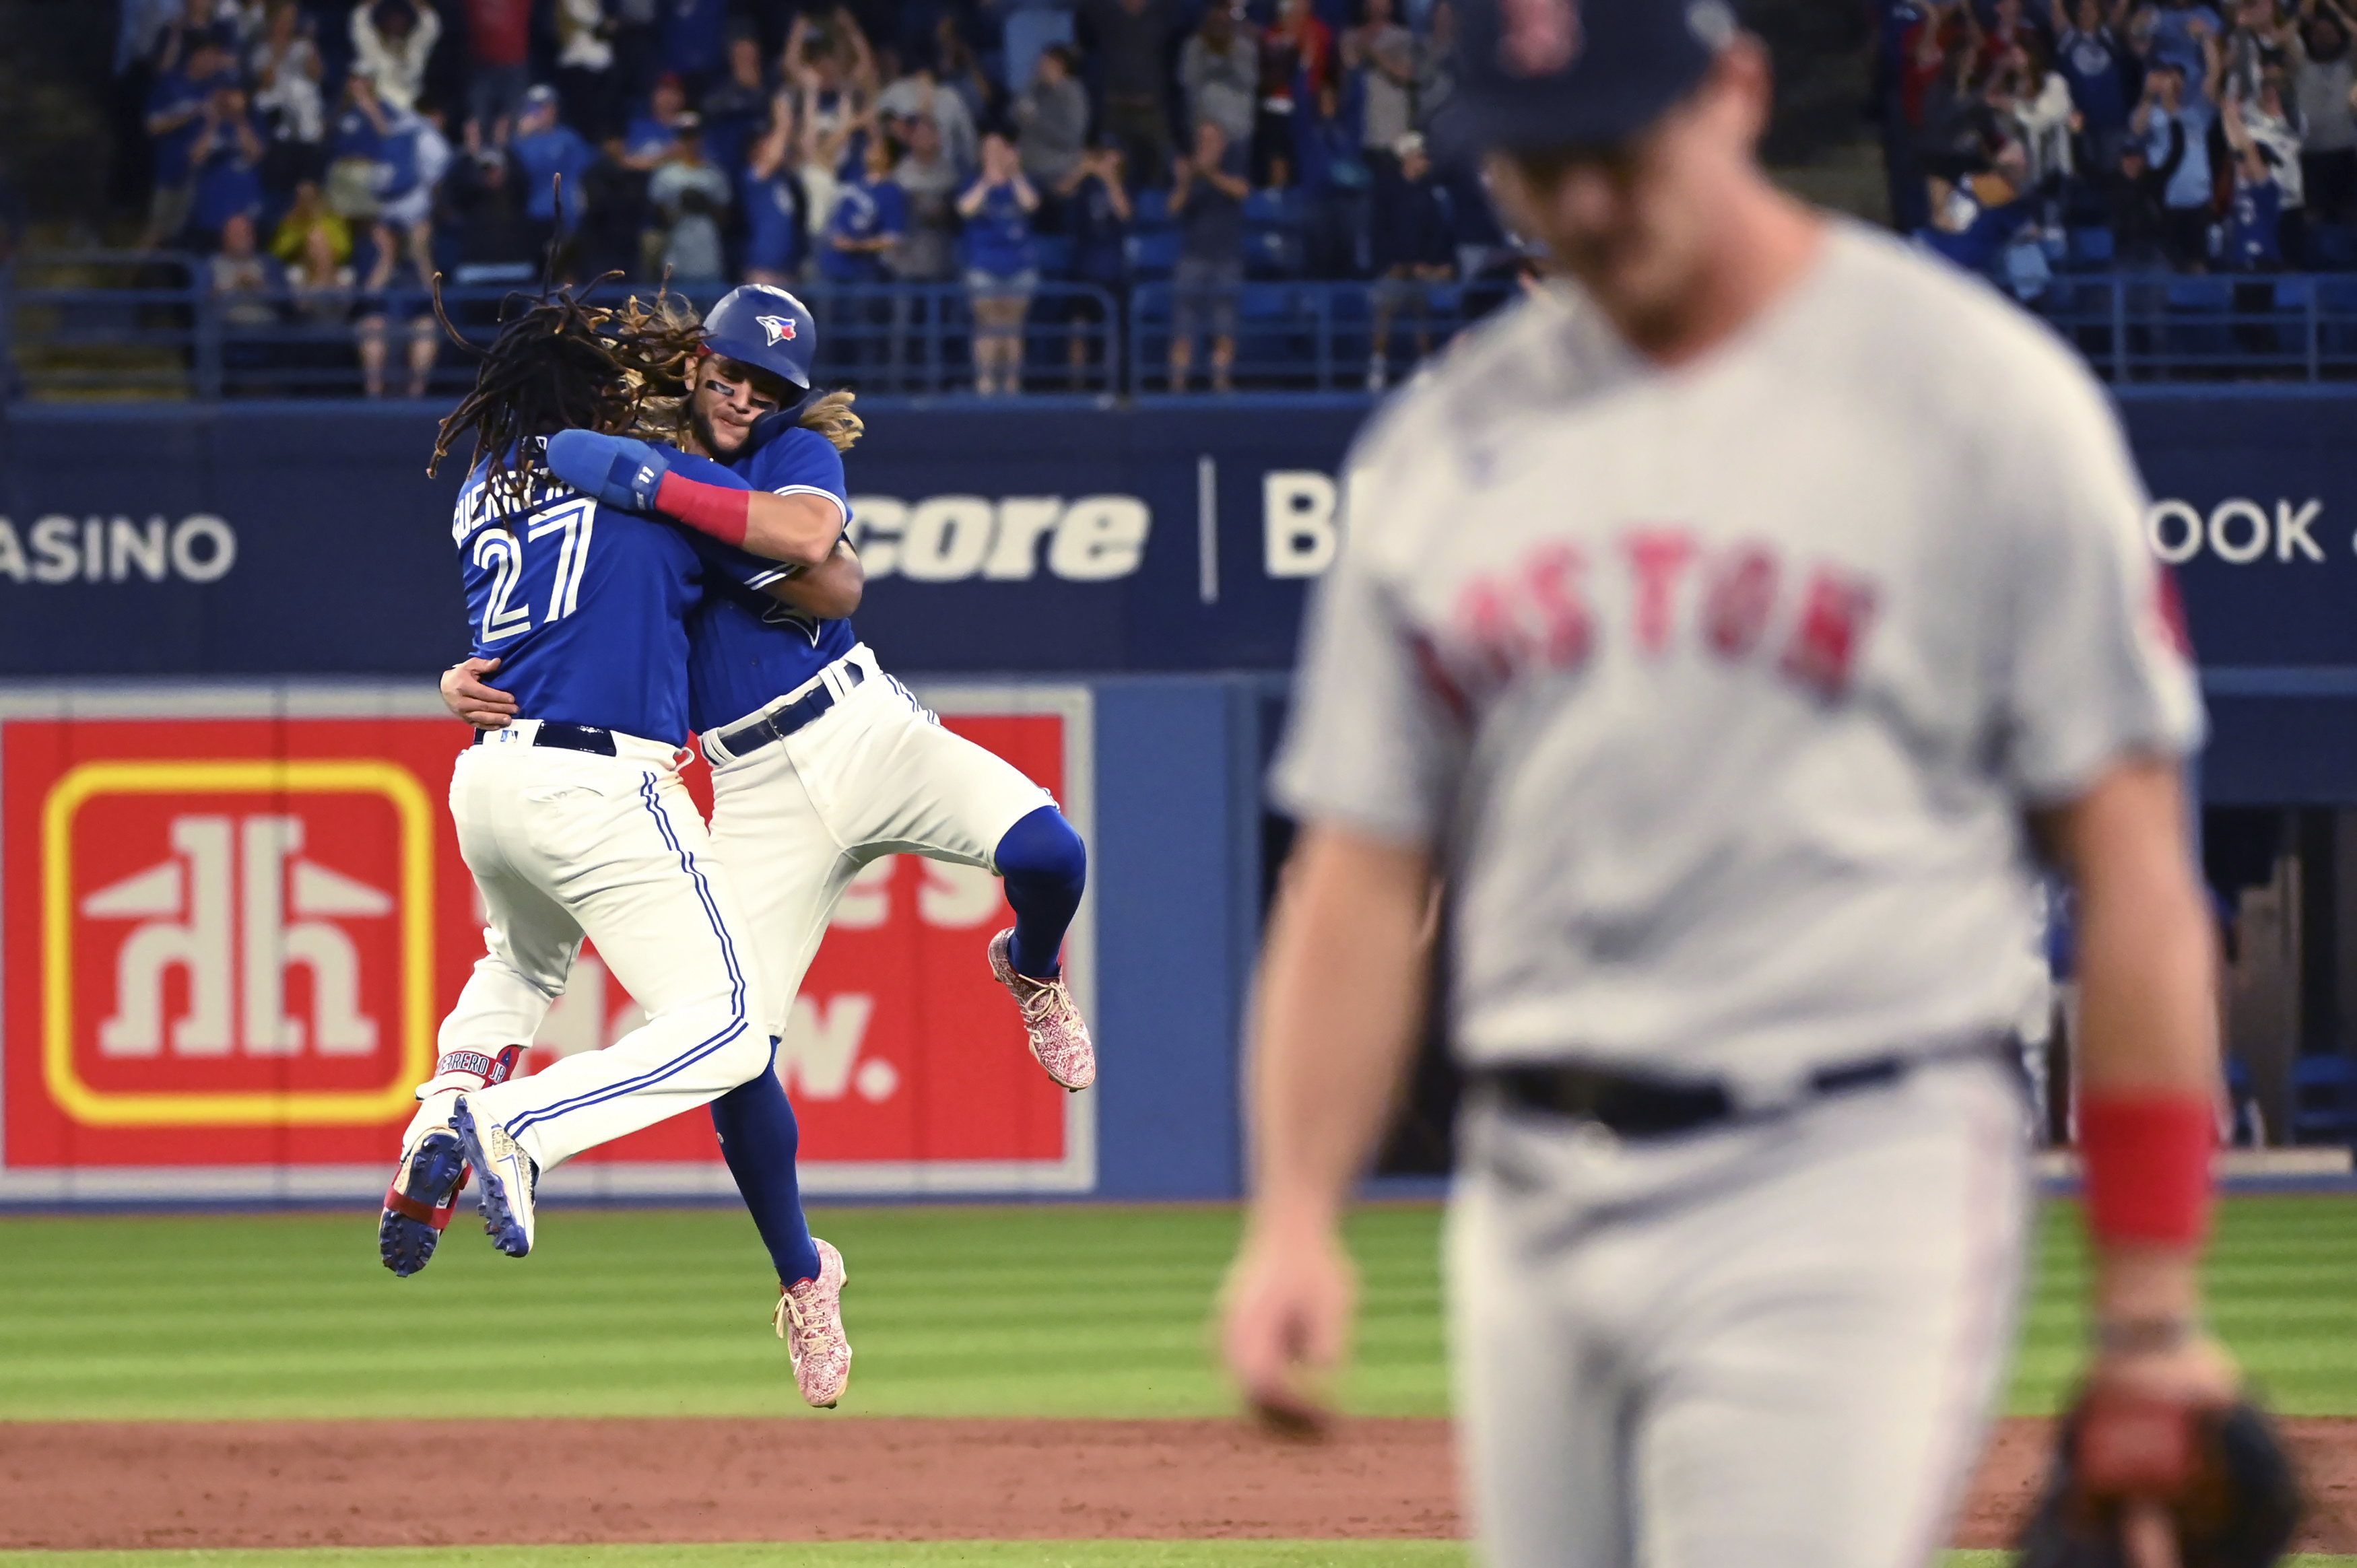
[617, 470]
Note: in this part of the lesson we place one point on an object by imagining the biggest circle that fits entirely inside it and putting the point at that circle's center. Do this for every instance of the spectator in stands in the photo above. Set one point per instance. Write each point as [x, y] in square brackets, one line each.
[1001, 271]
[2324, 89]
[177, 108]
[1296, 59]
[653, 136]
[245, 284]
[1220, 70]
[1953, 141]
[1435, 63]
[2094, 63]
[961, 71]
[1126, 39]
[929, 184]
[1052, 121]
[313, 242]
[228, 157]
[834, 83]
[1336, 187]
[776, 210]
[695, 41]
[690, 194]
[585, 76]
[736, 109]
[2164, 118]
[2033, 106]
[920, 95]
[635, 28]
[549, 158]
[870, 215]
[1097, 218]
[1413, 249]
[2139, 221]
[283, 64]
[613, 215]
[2253, 217]
[497, 242]
[1207, 197]
[2251, 38]
[399, 282]
[392, 41]
[1379, 55]
[2271, 119]
[498, 55]
[355, 171]
[2184, 33]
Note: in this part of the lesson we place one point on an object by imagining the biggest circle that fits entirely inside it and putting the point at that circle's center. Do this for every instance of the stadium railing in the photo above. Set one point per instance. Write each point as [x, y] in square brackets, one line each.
[104, 324]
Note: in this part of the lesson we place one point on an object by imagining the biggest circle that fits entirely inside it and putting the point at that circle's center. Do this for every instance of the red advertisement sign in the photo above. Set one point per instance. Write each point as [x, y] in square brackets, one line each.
[229, 937]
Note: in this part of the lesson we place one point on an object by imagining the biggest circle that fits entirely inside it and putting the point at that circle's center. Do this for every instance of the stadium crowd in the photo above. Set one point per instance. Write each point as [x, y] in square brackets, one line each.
[2170, 136]
[328, 158]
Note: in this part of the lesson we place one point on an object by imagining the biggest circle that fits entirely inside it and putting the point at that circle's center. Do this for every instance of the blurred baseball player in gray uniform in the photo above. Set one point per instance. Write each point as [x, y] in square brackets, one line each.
[1729, 629]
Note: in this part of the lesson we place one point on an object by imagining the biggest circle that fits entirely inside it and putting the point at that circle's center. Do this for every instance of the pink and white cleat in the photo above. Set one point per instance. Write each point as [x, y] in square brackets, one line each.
[810, 1320]
[1060, 1036]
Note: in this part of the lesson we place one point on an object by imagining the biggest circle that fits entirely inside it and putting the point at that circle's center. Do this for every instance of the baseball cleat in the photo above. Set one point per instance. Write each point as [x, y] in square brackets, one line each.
[810, 1320]
[419, 1203]
[508, 1178]
[1059, 1037]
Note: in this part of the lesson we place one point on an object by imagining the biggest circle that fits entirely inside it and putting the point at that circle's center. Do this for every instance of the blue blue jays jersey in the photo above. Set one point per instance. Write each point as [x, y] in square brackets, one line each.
[585, 607]
[746, 650]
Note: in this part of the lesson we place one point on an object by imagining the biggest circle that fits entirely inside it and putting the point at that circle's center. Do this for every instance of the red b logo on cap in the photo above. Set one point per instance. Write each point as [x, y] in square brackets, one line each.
[1539, 36]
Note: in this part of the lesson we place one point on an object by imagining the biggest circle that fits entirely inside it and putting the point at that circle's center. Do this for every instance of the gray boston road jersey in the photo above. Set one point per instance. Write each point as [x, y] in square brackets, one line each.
[1719, 693]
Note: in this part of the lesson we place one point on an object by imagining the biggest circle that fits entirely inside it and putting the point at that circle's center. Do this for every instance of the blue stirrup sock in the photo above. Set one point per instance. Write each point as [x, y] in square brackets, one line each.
[759, 1138]
[1046, 867]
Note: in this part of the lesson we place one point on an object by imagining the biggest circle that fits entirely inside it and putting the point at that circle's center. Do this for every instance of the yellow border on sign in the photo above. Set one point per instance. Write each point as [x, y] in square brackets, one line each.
[102, 1108]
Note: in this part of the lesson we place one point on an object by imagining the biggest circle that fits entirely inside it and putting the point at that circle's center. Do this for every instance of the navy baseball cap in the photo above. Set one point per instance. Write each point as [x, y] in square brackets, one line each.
[1539, 74]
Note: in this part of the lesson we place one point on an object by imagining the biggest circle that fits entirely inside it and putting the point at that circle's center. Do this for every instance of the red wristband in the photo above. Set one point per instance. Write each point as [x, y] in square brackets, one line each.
[2148, 1165]
[715, 510]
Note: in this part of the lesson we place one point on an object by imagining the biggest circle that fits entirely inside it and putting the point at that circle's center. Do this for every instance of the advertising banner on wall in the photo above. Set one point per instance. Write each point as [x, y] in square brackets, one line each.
[1056, 539]
[235, 916]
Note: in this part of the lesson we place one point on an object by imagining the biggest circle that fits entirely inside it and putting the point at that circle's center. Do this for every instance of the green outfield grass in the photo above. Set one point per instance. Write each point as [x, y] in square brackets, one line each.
[1008, 1311]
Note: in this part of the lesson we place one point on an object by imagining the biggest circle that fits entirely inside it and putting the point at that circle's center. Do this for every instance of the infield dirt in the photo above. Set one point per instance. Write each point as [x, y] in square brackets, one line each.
[402, 1482]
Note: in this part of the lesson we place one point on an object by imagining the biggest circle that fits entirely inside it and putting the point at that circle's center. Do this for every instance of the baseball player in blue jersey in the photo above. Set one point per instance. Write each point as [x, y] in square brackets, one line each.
[572, 816]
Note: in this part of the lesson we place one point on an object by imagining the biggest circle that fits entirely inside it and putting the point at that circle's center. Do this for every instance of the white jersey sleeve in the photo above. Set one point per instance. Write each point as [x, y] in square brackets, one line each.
[2099, 667]
[1374, 743]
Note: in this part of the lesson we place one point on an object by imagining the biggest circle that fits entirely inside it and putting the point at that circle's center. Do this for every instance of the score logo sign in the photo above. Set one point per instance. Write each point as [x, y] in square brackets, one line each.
[227, 945]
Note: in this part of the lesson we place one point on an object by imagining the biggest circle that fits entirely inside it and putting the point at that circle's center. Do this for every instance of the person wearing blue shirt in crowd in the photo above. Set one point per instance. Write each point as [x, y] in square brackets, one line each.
[2185, 33]
[694, 39]
[2254, 215]
[1097, 216]
[773, 200]
[1337, 179]
[2186, 201]
[735, 111]
[551, 155]
[228, 155]
[177, 110]
[1001, 270]
[1413, 249]
[2096, 65]
[651, 135]
[871, 213]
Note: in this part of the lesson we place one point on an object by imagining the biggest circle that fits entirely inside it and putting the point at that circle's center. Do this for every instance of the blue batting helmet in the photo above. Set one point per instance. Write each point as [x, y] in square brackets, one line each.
[765, 328]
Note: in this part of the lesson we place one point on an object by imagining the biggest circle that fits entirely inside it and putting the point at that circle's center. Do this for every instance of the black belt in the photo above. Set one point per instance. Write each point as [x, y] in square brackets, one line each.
[755, 733]
[1639, 1107]
[571, 737]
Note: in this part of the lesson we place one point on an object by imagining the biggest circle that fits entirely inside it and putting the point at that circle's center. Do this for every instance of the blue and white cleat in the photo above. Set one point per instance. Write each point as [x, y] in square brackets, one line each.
[418, 1205]
[508, 1175]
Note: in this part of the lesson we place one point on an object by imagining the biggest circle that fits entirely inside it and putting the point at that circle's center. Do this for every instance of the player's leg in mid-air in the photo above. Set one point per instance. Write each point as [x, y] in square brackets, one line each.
[799, 807]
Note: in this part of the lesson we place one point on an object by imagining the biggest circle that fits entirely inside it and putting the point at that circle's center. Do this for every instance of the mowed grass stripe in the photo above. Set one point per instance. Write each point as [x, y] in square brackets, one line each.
[1041, 1310]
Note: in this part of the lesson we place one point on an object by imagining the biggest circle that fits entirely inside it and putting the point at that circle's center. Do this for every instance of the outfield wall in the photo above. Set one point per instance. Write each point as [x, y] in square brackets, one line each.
[196, 606]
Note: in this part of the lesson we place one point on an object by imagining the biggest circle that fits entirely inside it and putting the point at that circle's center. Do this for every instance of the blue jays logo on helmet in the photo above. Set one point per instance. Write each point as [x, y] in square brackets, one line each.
[764, 326]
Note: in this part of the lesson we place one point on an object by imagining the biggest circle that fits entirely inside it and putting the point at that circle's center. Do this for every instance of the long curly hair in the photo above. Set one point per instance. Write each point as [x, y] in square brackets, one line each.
[560, 363]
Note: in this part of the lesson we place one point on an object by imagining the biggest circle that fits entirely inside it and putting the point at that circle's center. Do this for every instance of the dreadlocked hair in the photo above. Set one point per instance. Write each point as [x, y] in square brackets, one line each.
[564, 364]
[830, 415]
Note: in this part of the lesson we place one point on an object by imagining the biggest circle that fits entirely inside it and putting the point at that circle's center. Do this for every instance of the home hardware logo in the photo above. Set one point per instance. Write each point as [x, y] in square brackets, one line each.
[238, 906]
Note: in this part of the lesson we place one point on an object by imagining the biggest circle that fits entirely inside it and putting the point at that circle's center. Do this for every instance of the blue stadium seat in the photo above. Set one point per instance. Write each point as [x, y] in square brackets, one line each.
[1271, 205]
[1273, 251]
[2198, 307]
[1153, 254]
[2090, 250]
[2323, 1099]
[1152, 209]
[1054, 254]
[2332, 247]
[2336, 307]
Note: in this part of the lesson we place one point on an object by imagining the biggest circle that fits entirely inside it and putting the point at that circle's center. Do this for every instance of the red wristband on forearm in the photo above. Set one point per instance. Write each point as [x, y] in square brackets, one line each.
[2147, 1166]
[715, 510]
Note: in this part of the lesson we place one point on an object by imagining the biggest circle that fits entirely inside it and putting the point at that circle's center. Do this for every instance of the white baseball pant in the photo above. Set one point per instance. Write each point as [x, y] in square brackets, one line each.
[1773, 1344]
[567, 843]
[875, 775]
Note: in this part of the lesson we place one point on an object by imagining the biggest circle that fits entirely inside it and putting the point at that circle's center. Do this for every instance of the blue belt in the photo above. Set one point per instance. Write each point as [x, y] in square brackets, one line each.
[570, 737]
[754, 733]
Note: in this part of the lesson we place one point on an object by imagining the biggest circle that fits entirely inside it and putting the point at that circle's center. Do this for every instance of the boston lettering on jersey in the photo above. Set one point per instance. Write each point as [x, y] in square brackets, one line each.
[585, 607]
[1541, 614]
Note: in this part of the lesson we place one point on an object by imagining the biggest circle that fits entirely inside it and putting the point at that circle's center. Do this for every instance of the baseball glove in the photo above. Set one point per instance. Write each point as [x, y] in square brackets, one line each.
[2221, 1475]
